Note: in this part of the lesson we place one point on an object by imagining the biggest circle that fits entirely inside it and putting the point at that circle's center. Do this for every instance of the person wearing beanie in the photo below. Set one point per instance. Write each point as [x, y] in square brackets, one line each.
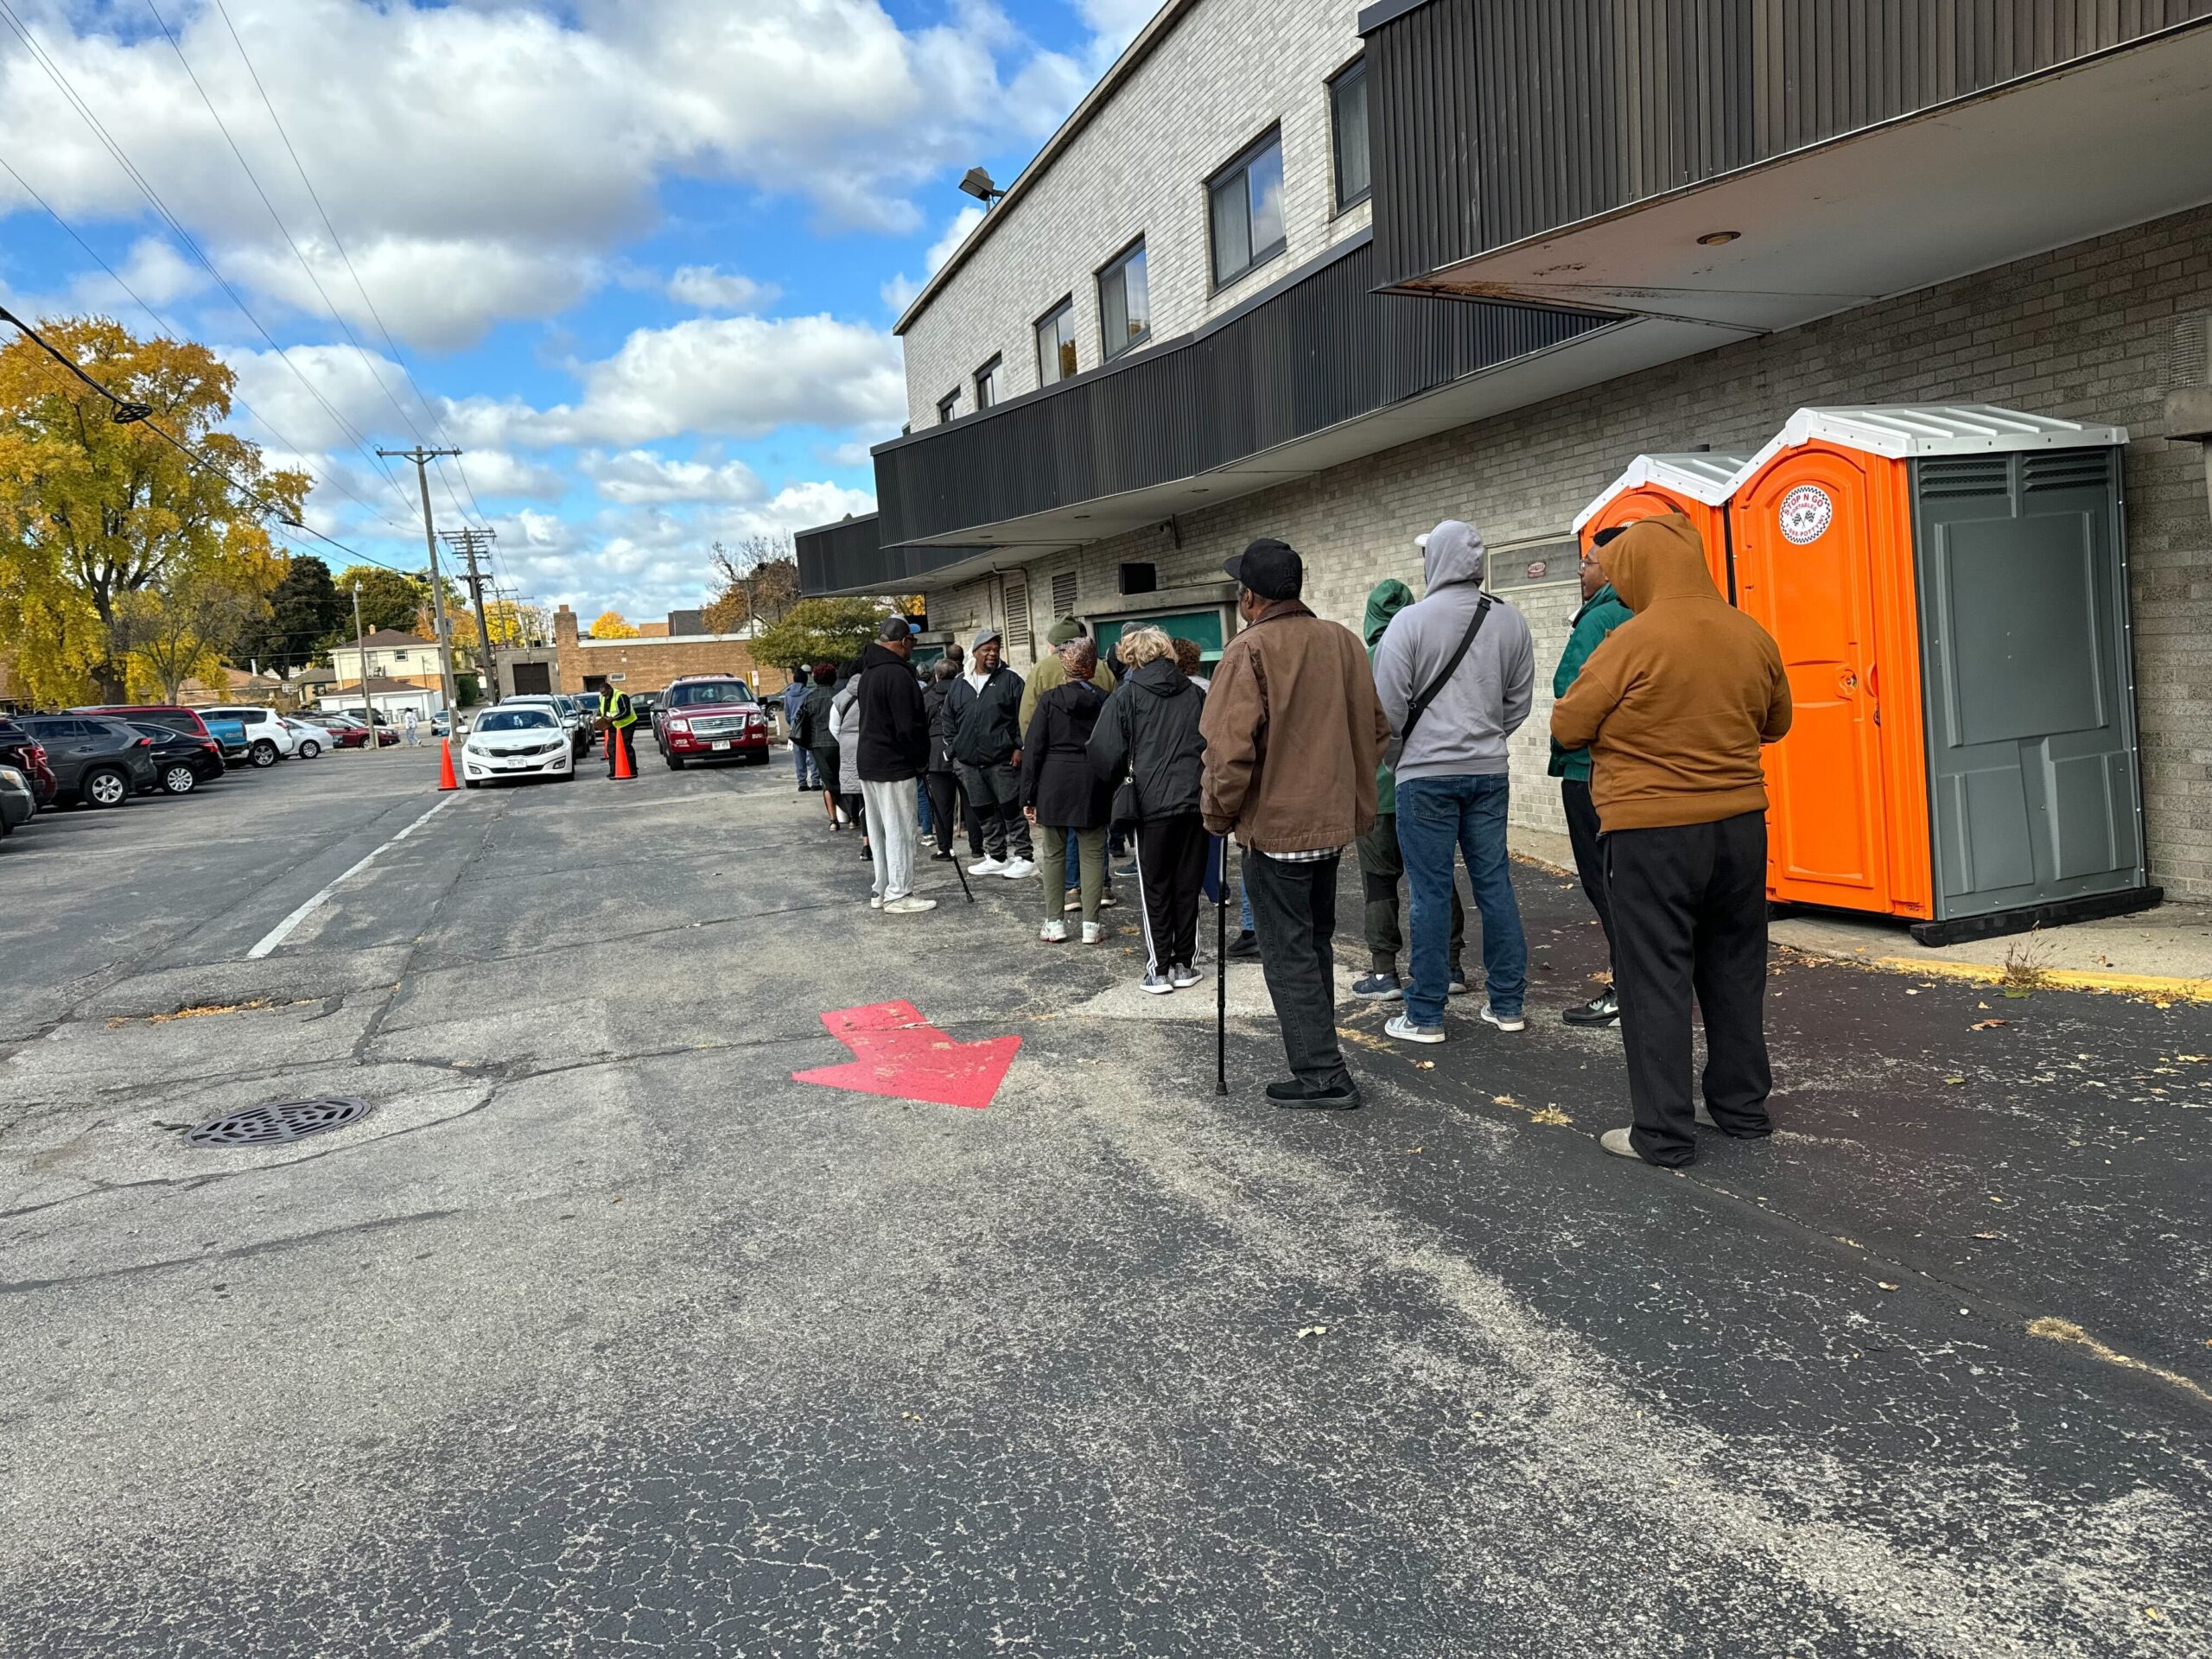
[1673, 708]
[987, 746]
[1293, 735]
[1052, 671]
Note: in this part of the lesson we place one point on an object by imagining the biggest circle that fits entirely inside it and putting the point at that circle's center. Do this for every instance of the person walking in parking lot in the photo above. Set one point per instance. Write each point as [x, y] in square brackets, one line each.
[987, 744]
[1601, 612]
[1673, 708]
[413, 722]
[1293, 733]
[620, 719]
[892, 749]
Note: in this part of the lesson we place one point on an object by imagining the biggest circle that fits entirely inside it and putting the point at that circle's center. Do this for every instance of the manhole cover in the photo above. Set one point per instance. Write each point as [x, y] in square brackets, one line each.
[279, 1121]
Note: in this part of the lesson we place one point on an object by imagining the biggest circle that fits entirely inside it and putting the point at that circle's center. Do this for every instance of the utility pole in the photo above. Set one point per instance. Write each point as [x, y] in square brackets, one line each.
[470, 543]
[361, 669]
[422, 458]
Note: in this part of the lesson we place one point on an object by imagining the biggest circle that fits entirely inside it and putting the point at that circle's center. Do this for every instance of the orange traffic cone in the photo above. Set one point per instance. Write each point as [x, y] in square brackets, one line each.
[446, 779]
[618, 736]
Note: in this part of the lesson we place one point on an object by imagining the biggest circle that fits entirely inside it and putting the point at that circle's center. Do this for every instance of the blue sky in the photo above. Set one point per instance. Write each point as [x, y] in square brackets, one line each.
[639, 258]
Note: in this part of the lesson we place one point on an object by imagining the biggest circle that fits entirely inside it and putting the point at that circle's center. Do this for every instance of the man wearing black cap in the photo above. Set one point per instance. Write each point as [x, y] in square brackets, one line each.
[1293, 733]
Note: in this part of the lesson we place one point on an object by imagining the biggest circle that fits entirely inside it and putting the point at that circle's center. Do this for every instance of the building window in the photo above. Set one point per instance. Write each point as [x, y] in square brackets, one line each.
[948, 406]
[987, 384]
[1056, 343]
[1124, 302]
[398, 657]
[1348, 120]
[1245, 205]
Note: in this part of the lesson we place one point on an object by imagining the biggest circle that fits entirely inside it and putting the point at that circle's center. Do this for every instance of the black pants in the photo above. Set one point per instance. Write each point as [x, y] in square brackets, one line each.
[1582, 832]
[1689, 915]
[1294, 913]
[1171, 869]
[626, 735]
[946, 804]
[1382, 868]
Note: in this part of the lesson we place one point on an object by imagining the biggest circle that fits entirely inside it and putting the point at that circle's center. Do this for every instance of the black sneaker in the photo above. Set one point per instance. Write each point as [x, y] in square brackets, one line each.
[1294, 1095]
[1601, 1010]
[940, 855]
[1245, 947]
[1381, 986]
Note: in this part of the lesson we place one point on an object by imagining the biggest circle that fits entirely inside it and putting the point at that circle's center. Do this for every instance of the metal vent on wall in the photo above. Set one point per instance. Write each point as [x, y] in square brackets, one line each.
[1066, 589]
[1017, 614]
[1967, 475]
[2188, 354]
[2064, 469]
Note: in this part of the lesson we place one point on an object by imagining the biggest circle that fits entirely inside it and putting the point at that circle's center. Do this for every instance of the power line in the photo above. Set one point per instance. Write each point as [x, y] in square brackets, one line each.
[145, 189]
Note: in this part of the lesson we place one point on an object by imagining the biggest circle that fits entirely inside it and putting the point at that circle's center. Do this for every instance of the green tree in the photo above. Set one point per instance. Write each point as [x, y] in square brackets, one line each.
[820, 631]
[307, 614]
[390, 599]
[182, 630]
[93, 512]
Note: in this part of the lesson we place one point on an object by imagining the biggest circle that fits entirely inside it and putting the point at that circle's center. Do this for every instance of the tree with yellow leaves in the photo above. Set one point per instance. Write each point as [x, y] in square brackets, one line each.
[112, 543]
[611, 625]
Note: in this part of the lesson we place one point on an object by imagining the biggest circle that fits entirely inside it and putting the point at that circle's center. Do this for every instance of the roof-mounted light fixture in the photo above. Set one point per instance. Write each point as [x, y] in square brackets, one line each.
[978, 183]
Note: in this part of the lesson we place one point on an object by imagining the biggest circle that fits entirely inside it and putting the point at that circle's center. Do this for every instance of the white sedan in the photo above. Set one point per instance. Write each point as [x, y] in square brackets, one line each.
[308, 740]
[517, 742]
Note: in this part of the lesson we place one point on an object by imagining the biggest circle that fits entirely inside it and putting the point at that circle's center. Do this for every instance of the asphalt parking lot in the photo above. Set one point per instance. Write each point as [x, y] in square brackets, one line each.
[604, 1333]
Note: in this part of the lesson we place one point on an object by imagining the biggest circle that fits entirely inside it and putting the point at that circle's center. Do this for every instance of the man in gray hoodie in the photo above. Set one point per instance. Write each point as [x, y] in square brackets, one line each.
[1457, 674]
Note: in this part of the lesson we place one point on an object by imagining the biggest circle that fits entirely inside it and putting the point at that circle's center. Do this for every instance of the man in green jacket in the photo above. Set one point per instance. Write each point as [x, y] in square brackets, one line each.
[1382, 866]
[1601, 612]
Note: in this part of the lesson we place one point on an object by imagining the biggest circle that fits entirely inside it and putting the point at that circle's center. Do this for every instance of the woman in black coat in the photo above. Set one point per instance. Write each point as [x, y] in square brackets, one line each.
[811, 731]
[1149, 733]
[1062, 794]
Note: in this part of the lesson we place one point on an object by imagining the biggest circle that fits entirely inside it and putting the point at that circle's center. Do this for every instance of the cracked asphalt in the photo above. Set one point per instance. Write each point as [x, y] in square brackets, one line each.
[603, 1335]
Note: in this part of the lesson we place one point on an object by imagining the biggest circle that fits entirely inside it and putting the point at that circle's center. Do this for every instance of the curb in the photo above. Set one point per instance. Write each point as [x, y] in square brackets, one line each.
[2162, 988]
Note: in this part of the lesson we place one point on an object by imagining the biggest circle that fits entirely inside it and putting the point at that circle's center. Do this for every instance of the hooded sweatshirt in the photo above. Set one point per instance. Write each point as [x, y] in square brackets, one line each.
[1384, 600]
[1489, 694]
[1148, 731]
[1674, 703]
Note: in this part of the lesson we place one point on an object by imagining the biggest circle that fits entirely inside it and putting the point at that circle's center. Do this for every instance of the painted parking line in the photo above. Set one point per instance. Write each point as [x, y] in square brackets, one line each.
[276, 935]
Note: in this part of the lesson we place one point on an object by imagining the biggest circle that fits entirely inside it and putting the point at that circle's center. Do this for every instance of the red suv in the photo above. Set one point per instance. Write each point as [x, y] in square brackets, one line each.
[177, 719]
[710, 717]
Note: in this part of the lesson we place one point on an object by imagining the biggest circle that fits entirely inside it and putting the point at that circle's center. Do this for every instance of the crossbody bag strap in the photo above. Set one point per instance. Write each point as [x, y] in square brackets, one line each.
[1419, 706]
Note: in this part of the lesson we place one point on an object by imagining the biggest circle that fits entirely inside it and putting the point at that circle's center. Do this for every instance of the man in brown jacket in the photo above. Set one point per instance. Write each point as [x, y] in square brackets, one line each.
[1293, 731]
[1673, 706]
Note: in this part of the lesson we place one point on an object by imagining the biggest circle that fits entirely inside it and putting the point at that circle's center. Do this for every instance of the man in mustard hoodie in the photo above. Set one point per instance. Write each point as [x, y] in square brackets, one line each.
[1673, 707]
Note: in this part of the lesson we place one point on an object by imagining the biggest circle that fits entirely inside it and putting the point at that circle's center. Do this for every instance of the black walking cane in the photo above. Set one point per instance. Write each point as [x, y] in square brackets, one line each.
[1221, 976]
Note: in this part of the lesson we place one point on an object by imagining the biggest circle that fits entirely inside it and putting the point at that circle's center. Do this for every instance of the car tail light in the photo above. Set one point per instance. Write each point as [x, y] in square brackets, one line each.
[143, 743]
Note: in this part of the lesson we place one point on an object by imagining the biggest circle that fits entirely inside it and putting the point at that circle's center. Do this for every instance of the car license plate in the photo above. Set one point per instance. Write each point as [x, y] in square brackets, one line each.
[720, 743]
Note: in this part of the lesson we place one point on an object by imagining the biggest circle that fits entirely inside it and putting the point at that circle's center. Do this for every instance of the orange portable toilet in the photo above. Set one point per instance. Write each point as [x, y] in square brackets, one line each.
[1949, 585]
[1695, 484]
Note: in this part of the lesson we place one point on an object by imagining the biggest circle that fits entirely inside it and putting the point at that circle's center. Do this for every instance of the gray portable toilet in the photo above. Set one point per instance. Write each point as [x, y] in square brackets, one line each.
[1948, 585]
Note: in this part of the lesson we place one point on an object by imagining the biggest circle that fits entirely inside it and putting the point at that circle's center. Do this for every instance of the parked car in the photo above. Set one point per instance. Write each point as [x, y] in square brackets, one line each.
[174, 715]
[231, 740]
[267, 739]
[351, 732]
[563, 710]
[586, 710]
[310, 738]
[517, 739]
[19, 749]
[711, 717]
[96, 762]
[17, 802]
[182, 762]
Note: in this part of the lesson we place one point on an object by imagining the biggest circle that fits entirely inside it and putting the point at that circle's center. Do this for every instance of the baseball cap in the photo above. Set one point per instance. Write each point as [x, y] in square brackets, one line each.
[892, 630]
[1269, 567]
[984, 637]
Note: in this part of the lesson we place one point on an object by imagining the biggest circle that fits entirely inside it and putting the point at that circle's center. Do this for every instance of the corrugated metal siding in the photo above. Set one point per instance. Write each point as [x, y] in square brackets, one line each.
[1494, 120]
[851, 554]
[1325, 350]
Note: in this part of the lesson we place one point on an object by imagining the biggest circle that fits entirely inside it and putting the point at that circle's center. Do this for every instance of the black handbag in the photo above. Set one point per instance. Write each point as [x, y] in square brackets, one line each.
[1127, 809]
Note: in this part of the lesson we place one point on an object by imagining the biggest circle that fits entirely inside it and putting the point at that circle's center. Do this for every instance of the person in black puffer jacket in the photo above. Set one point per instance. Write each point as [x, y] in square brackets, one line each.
[811, 732]
[1062, 795]
[1149, 733]
[943, 777]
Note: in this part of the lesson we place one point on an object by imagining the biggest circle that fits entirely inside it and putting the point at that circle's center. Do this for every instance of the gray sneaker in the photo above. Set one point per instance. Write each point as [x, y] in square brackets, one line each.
[1405, 1031]
[1157, 983]
[1504, 1021]
[1183, 976]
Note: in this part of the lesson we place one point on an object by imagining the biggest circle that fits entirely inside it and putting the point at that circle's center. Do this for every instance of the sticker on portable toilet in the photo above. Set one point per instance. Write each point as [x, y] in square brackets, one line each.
[1806, 514]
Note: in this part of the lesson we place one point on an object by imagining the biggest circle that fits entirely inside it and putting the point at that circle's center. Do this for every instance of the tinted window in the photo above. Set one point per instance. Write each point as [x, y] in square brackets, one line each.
[1348, 117]
[987, 384]
[710, 693]
[515, 720]
[159, 734]
[48, 726]
[1056, 344]
[1245, 202]
[1124, 302]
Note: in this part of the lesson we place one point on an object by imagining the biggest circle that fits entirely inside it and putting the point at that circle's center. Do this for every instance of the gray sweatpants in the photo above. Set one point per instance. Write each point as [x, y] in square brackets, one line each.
[892, 835]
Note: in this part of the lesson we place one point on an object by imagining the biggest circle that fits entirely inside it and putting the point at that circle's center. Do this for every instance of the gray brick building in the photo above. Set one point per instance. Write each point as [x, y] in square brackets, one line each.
[2073, 306]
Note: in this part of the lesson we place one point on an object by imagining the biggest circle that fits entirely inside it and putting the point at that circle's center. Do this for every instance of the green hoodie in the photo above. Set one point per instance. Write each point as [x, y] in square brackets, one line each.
[1600, 614]
[1384, 600]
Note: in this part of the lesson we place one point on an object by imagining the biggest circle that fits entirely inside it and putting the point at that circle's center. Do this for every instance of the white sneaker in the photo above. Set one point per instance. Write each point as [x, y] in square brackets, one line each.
[908, 903]
[1403, 1028]
[988, 867]
[1094, 933]
[1021, 870]
[1504, 1021]
[875, 901]
[1182, 976]
[1054, 932]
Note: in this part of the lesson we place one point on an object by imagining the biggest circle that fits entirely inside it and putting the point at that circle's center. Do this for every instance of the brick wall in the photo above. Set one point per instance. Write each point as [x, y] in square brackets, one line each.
[1222, 77]
[650, 665]
[2081, 332]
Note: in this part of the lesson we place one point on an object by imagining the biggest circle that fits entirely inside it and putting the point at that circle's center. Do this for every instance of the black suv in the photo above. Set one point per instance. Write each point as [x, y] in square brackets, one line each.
[99, 762]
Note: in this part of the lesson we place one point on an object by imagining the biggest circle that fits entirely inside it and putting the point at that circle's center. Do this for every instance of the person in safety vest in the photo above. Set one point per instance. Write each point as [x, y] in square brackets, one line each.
[619, 721]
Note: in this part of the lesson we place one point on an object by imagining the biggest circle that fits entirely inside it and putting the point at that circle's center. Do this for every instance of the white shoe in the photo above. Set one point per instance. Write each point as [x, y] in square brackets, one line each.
[1054, 932]
[907, 904]
[1504, 1021]
[1094, 933]
[1182, 976]
[1403, 1027]
[988, 867]
[1021, 870]
[875, 901]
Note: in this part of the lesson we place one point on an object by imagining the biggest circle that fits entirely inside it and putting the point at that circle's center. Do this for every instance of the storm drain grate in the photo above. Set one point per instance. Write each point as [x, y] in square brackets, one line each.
[280, 1121]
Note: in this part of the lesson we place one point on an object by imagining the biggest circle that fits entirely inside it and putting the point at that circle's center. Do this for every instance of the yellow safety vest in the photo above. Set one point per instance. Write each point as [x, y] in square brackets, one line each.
[608, 700]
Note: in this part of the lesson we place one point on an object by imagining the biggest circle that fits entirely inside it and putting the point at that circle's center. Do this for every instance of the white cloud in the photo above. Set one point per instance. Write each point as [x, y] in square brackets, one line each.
[154, 270]
[499, 473]
[898, 292]
[441, 293]
[704, 287]
[637, 477]
[955, 233]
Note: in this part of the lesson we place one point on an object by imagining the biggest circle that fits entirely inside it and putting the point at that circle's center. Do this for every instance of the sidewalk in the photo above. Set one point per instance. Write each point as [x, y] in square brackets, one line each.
[2165, 955]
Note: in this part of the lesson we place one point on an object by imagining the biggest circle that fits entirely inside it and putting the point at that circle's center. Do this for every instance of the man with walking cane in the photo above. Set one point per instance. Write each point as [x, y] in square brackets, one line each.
[1294, 732]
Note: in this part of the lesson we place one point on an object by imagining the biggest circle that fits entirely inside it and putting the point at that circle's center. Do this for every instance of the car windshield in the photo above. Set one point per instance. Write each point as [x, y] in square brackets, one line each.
[515, 720]
[718, 693]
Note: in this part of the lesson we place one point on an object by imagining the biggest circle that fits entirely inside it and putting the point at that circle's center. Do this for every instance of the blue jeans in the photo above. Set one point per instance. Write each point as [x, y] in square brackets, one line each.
[922, 811]
[1435, 816]
[803, 764]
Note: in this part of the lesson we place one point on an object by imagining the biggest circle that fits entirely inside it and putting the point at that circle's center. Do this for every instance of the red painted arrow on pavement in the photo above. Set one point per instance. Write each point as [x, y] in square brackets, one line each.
[898, 1053]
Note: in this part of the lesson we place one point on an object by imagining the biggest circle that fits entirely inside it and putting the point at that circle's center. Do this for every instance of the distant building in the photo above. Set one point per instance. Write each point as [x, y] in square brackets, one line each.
[392, 655]
[651, 661]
